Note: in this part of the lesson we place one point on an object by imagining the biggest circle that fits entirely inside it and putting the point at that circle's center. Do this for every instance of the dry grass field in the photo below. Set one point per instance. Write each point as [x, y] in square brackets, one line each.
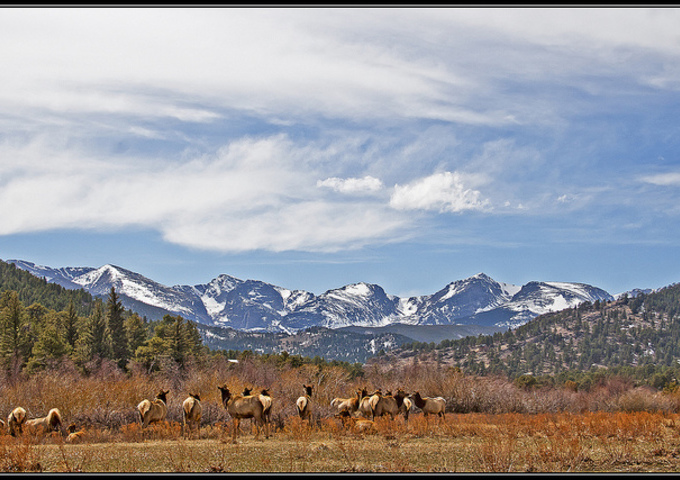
[491, 424]
[474, 442]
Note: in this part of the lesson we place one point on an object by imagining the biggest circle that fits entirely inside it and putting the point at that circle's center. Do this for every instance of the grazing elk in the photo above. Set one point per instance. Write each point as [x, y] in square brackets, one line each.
[430, 405]
[73, 436]
[15, 421]
[151, 411]
[347, 406]
[191, 414]
[49, 423]
[304, 404]
[239, 407]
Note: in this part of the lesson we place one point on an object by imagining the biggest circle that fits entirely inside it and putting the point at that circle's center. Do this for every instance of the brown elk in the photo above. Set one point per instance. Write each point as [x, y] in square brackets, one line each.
[390, 405]
[266, 401]
[152, 411]
[15, 421]
[73, 436]
[191, 414]
[367, 402]
[360, 425]
[49, 423]
[239, 407]
[430, 405]
[406, 403]
[304, 404]
[347, 406]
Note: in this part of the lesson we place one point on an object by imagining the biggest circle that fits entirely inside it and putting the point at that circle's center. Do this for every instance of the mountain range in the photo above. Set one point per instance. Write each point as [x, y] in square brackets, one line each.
[256, 306]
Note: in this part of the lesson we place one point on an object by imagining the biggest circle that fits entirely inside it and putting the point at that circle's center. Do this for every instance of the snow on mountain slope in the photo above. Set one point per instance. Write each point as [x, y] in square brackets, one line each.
[252, 305]
[538, 298]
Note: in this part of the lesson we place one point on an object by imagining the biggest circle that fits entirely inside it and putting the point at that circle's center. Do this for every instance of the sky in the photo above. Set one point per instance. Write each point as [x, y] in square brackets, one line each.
[313, 148]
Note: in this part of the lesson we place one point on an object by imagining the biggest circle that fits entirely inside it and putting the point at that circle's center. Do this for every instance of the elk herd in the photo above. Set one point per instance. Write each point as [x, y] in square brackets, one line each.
[360, 410]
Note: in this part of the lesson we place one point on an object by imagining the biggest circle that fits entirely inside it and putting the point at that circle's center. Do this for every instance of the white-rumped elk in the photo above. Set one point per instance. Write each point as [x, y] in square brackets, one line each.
[304, 404]
[239, 407]
[266, 400]
[43, 425]
[368, 402]
[153, 411]
[406, 403]
[191, 414]
[15, 421]
[430, 405]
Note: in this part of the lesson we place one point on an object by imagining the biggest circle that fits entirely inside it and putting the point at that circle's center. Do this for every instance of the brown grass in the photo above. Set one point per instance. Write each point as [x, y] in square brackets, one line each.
[475, 442]
[490, 425]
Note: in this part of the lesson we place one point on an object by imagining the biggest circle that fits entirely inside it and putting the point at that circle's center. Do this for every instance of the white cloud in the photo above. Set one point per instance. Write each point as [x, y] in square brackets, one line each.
[662, 179]
[444, 192]
[188, 64]
[254, 193]
[364, 185]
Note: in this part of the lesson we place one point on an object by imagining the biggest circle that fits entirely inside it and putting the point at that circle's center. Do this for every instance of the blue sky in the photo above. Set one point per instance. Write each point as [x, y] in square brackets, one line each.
[316, 147]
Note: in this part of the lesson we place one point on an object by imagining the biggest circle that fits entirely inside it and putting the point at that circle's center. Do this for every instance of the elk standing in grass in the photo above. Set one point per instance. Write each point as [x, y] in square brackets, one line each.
[304, 404]
[15, 421]
[191, 414]
[49, 423]
[430, 405]
[390, 405]
[347, 406]
[406, 404]
[266, 401]
[368, 402]
[151, 411]
[239, 407]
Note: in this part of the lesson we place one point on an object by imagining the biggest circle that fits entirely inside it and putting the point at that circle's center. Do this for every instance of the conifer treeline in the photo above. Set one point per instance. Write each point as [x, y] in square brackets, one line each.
[41, 324]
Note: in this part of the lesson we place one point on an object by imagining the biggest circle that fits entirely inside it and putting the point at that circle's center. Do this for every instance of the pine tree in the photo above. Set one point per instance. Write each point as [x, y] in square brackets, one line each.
[71, 325]
[93, 342]
[49, 347]
[14, 342]
[116, 329]
[136, 333]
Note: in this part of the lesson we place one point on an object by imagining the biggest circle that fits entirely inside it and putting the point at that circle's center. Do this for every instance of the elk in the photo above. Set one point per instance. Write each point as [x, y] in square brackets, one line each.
[73, 436]
[239, 407]
[151, 411]
[430, 405]
[406, 403]
[304, 404]
[266, 401]
[15, 421]
[390, 405]
[49, 423]
[191, 414]
[360, 425]
[367, 403]
[347, 406]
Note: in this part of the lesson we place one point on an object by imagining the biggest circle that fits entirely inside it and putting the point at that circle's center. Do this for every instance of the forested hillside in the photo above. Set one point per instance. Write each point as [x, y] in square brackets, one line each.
[32, 289]
[636, 336]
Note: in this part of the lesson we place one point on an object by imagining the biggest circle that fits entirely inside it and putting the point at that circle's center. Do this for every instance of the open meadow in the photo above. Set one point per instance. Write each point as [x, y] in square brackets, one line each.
[589, 442]
[490, 425]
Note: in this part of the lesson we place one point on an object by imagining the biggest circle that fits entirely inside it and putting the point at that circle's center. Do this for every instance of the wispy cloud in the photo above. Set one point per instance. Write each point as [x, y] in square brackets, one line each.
[235, 129]
[662, 179]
